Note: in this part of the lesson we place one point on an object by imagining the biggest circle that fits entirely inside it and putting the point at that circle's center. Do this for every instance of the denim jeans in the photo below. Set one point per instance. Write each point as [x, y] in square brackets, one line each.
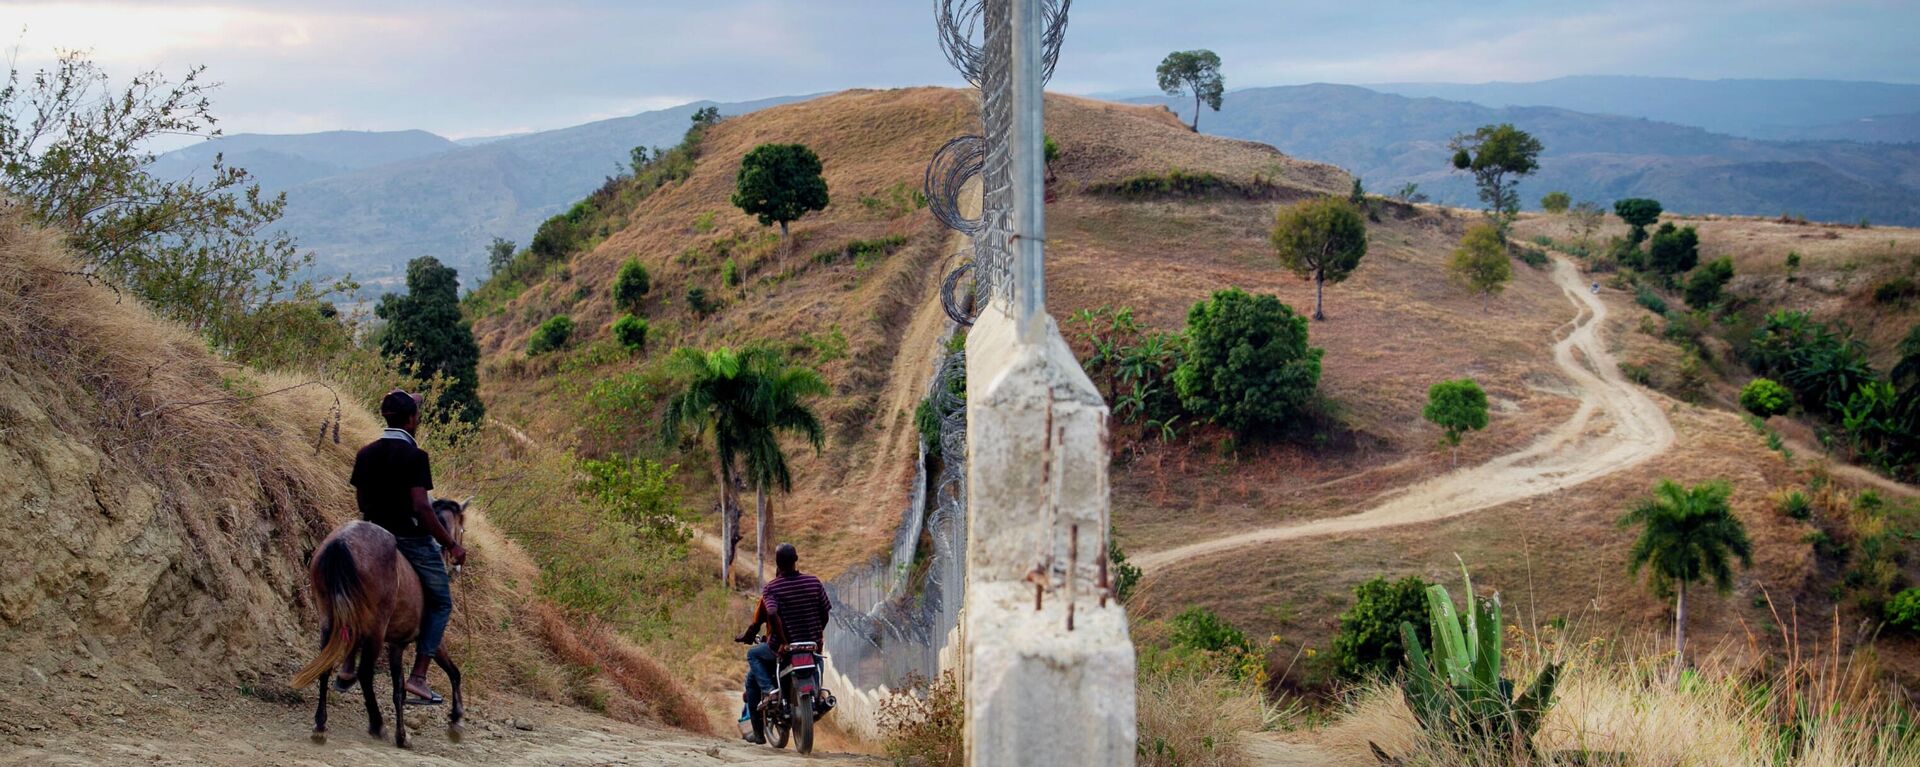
[760, 671]
[437, 605]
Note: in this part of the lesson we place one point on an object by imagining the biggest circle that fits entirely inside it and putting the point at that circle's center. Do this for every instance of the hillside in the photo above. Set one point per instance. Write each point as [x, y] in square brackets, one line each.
[366, 203]
[1763, 109]
[161, 504]
[865, 315]
[1390, 140]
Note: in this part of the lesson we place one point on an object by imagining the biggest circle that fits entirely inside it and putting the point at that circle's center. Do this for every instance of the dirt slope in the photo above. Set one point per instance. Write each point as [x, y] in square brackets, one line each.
[1615, 427]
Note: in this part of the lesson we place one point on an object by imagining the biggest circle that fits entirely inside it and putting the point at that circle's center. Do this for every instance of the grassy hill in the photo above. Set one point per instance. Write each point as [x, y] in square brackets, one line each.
[1390, 140]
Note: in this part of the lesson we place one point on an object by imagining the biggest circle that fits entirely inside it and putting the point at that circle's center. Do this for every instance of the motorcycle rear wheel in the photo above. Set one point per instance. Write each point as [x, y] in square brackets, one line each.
[803, 724]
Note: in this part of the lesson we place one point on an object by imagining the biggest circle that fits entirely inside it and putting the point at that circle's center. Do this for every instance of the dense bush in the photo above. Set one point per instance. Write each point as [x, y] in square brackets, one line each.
[1898, 290]
[698, 301]
[1647, 298]
[1182, 183]
[1368, 642]
[1248, 366]
[552, 335]
[1132, 367]
[1903, 611]
[1822, 368]
[1674, 251]
[1765, 398]
[631, 332]
[631, 285]
[1705, 284]
[1219, 644]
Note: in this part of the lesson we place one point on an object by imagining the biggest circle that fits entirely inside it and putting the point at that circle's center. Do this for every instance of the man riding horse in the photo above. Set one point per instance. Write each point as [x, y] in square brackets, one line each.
[391, 477]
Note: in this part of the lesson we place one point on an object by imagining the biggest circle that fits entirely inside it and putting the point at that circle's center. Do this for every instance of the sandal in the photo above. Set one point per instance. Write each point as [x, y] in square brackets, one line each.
[415, 700]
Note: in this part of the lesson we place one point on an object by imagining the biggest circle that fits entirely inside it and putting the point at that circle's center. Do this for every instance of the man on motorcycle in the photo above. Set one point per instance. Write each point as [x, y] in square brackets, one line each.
[794, 606]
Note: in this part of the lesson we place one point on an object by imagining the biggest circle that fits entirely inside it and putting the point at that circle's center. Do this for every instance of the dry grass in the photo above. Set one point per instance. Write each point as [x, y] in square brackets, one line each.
[1738, 708]
[1194, 719]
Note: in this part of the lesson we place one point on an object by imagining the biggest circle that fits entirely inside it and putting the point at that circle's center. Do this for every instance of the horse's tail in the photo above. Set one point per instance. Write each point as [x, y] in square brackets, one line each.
[342, 605]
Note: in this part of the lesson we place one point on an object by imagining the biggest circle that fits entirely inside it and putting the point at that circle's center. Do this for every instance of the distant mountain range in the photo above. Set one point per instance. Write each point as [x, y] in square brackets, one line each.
[1389, 140]
[366, 203]
[1768, 109]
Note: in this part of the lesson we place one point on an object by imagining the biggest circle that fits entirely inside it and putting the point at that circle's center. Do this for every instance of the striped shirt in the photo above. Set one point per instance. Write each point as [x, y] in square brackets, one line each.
[800, 604]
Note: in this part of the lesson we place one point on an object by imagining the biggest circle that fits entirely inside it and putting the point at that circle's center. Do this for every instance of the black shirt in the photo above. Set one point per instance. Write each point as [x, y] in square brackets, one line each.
[384, 475]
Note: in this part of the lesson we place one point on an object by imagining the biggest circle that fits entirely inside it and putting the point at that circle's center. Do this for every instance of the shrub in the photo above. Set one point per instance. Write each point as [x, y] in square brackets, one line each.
[1765, 398]
[1368, 642]
[1481, 264]
[1556, 202]
[698, 301]
[729, 274]
[1903, 611]
[925, 724]
[631, 285]
[1822, 368]
[1899, 290]
[1223, 647]
[703, 223]
[1795, 505]
[1647, 298]
[1706, 282]
[1248, 366]
[1675, 250]
[552, 335]
[631, 332]
[1126, 576]
[1532, 257]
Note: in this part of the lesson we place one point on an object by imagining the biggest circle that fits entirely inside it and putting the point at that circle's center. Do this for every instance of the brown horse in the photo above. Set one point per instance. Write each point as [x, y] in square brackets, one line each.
[369, 596]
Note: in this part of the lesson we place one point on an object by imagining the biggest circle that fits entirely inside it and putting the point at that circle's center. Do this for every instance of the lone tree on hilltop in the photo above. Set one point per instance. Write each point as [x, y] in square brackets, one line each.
[779, 183]
[1197, 72]
[1556, 202]
[1481, 264]
[1687, 535]
[1456, 407]
[1497, 156]
[1322, 240]
[1639, 213]
[1248, 366]
[426, 331]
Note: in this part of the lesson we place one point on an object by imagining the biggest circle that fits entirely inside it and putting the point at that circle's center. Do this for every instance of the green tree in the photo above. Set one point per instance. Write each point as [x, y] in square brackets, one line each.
[1556, 202]
[1765, 398]
[1196, 72]
[1368, 642]
[631, 285]
[1322, 240]
[74, 153]
[779, 183]
[1248, 366]
[1456, 407]
[426, 332]
[551, 336]
[742, 401]
[1687, 536]
[499, 255]
[1639, 213]
[1706, 283]
[1498, 156]
[631, 332]
[1674, 250]
[1481, 264]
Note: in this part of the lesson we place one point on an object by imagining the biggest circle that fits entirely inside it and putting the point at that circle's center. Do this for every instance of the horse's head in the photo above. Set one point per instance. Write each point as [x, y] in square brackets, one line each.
[453, 517]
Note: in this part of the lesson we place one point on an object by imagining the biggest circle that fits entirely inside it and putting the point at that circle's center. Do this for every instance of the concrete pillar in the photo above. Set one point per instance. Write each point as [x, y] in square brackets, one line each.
[1049, 666]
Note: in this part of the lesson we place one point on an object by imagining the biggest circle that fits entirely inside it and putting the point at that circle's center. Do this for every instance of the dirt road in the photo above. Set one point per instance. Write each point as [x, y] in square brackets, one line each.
[1616, 426]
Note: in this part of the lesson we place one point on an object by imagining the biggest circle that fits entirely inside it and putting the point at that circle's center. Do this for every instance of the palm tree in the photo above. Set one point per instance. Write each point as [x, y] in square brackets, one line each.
[776, 408]
[1687, 535]
[742, 400]
[716, 400]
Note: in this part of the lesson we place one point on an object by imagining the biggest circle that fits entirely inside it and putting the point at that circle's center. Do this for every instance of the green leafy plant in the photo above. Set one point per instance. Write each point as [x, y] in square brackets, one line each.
[631, 332]
[729, 274]
[1556, 202]
[1480, 264]
[1456, 407]
[1125, 575]
[1687, 535]
[1498, 156]
[1706, 283]
[779, 183]
[1765, 398]
[1227, 648]
[1675, 250]
[427, 334]
[552, 335]
[1322, 239]
[1903, 611]
[631, 285]
[1457, 692]
[1795, 505]
[1248, 366]
[1368, 642]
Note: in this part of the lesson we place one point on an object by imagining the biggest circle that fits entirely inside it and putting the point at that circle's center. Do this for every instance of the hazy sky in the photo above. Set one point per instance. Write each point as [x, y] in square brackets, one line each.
[483, 67]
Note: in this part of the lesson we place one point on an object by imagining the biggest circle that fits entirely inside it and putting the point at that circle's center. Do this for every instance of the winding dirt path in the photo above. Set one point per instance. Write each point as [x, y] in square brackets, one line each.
[1617, 426]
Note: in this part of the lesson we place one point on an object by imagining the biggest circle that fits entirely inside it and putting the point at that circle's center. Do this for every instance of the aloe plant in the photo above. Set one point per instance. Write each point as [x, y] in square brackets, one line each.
[1457, 692]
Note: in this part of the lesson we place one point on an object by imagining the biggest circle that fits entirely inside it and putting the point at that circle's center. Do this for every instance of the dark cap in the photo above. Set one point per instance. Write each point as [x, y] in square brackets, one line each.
[399, 403]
